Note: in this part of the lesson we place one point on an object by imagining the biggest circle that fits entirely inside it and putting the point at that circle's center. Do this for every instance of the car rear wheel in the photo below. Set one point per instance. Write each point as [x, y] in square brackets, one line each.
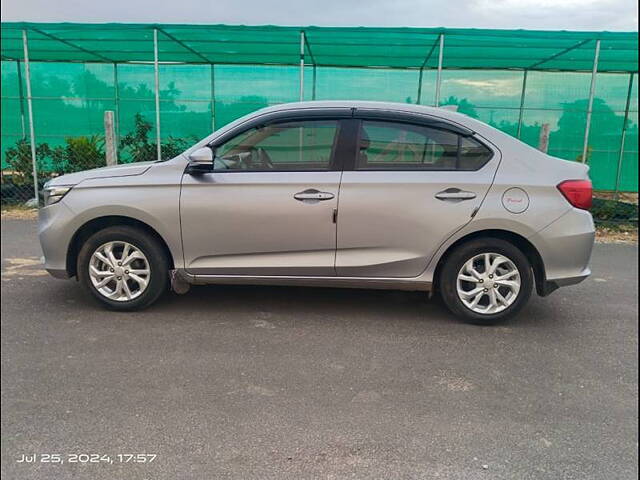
[124, 267]
[486, 281]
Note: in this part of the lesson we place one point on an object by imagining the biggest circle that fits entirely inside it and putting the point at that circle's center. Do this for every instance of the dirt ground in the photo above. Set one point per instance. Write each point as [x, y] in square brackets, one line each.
[622, 196]
[616, 235]
[19, 213]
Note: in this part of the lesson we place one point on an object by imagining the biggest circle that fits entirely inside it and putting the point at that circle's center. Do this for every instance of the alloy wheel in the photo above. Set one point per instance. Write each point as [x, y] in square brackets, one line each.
[119, 271]
[488, 283]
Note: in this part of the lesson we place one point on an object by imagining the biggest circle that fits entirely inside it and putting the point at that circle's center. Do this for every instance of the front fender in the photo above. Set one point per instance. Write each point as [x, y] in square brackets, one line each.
[151, 197]
[169, 232]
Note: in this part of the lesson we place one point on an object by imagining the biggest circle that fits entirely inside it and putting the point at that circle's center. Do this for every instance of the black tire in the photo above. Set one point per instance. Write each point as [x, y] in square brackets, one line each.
[455, 261]
[150, 247]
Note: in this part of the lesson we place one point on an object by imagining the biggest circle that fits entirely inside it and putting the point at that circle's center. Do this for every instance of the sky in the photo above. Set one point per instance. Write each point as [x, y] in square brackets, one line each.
[614, 15]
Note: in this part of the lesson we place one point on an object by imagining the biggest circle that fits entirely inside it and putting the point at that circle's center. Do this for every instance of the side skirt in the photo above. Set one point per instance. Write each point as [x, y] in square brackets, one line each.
[283, 280]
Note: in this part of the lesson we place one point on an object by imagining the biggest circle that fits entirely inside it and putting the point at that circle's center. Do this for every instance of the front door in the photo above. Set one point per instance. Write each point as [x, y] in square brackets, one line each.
[412, 186]
[268, 206]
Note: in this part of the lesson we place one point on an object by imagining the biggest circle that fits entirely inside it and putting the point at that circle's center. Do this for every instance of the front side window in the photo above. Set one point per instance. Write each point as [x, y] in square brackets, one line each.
[291, 146]
[399, 146]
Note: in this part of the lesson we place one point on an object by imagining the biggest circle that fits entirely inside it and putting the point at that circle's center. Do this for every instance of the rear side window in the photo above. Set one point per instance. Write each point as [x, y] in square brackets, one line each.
[399, 146]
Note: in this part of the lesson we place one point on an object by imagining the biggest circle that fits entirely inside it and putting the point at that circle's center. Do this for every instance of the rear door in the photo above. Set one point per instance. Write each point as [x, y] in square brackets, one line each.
[411, 186]
[268, 206]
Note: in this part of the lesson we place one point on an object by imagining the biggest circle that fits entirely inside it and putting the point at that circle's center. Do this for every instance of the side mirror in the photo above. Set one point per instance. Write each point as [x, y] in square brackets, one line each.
[200, 161]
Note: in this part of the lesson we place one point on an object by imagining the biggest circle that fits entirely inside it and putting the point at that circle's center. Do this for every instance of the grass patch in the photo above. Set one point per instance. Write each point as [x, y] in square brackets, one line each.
[611, 211]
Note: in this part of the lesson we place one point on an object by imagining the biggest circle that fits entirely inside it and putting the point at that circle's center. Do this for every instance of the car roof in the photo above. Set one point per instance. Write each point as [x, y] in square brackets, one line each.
[391, 106]
[441, 112]
[472, 124]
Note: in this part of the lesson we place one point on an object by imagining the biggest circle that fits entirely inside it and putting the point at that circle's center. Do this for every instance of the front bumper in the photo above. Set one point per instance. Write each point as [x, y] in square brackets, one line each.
[55, 231]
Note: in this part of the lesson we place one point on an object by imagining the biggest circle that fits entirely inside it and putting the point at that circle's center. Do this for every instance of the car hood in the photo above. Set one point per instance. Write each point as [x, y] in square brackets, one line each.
[124, 170]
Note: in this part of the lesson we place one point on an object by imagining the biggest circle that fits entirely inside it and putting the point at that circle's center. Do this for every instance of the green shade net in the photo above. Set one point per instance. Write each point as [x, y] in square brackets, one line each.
[212, 74]
[327, 46]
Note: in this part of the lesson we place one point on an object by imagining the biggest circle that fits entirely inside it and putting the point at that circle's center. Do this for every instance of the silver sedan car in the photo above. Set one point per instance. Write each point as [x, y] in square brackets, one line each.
[339, 194]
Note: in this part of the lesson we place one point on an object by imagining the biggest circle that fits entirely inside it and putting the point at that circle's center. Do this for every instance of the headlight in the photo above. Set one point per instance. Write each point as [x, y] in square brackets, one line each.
[53, 195]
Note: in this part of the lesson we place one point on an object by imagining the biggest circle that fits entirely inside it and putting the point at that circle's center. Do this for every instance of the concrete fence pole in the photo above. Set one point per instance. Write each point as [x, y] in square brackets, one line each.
[110, 138]
[543, 143]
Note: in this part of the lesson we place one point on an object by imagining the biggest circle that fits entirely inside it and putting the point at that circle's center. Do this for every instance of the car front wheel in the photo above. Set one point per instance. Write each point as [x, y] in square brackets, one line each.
[486, 281]
[124, 267]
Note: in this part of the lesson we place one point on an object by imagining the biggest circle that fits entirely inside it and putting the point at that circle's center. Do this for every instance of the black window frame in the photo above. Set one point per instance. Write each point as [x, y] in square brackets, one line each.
[415, 120]
[339, 115]
[349, 119]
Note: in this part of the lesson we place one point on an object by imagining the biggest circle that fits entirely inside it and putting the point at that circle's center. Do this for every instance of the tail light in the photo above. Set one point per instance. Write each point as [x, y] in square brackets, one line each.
[578, 193]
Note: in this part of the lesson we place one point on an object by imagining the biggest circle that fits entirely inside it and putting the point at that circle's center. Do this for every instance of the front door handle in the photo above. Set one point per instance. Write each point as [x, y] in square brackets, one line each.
[455, 194]
[313, 195]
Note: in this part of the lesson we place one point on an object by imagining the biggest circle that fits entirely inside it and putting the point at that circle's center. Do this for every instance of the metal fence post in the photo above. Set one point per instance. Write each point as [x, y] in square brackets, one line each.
[116, 95]
[623, 137]
[420, 85]
[157, 82]
[439, 78]
[522, 97]
[301, 66]
[213, 98]
[27, 72]
[21, 94]
[592, 92]
[315, 75]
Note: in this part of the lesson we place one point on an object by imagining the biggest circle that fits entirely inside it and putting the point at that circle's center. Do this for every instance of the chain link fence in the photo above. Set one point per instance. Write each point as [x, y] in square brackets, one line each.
[184, 99]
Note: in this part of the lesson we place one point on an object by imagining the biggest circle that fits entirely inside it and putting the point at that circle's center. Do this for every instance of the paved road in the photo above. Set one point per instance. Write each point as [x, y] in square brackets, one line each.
[248, 382]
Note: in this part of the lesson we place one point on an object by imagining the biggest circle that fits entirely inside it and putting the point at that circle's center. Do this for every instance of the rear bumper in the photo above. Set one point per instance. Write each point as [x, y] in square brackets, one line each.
[549, 286]
[565, 247]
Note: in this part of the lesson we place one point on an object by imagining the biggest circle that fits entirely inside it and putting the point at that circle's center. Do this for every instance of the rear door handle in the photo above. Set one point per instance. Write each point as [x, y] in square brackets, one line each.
[313, 195]
[455, 194]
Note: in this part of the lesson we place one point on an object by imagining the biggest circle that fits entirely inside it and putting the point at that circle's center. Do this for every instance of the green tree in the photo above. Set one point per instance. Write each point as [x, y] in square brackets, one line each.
[464, 106]
[604, 133]
[79, 153]
[141, 149]
[137, 143]
[18, 160]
